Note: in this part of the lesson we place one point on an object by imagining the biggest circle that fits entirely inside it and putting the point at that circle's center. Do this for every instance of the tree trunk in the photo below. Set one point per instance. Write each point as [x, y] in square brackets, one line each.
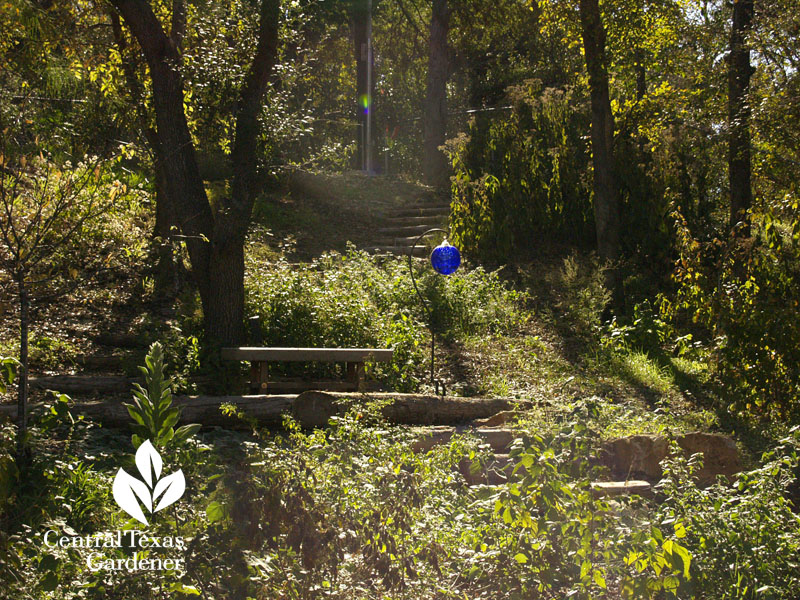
[166, 280]
[364, 83]
[22, 385]
[224, 312]
[739, 72]
[606, 208]
[606, 203]
[226, 270]
[215, 242]
[435, 109]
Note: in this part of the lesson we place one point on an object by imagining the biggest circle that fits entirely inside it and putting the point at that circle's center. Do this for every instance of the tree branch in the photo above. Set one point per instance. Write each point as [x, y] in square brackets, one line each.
[178, 23]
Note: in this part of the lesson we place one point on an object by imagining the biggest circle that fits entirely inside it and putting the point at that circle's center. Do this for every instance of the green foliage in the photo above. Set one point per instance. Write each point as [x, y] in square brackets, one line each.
[744, 538]
[742, 296]
[646, 330]
[522, 175]
[357, 300]
[551, 537]
[152, 411]
[183, 353]
[51, 352]
[337, 511]
[582, 294]
[8, 370]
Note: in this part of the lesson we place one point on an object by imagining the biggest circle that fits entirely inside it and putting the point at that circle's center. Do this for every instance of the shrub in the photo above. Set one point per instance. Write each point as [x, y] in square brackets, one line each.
[522, 176]
[741, 295]
[551, 538]
[582, 293]
[744, 538]
[357, 300]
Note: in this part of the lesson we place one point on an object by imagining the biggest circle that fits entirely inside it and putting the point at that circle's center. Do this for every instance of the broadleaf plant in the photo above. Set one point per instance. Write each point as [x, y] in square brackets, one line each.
[152, 411]
[8, 370]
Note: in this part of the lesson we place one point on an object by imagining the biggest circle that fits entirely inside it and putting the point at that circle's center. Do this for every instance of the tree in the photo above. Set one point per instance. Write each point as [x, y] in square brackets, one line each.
[435, 108]
[44, 207]
[361, 23]
[214, 236]
[167, 267]
[739, 72]
[606, 203]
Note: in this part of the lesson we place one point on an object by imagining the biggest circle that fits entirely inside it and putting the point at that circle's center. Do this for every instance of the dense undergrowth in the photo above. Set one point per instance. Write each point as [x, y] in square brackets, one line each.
[694, 285]
[356, 300]
[353, 512]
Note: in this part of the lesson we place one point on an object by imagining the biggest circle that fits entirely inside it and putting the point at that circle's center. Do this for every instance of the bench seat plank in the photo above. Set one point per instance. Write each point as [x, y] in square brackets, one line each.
[308, 354]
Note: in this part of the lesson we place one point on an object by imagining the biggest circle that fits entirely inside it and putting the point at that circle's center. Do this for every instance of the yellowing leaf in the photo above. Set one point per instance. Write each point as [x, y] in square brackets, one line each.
[599, 579]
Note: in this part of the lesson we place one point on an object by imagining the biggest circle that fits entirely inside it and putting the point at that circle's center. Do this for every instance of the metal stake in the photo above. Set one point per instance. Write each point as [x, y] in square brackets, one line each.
[426, 305]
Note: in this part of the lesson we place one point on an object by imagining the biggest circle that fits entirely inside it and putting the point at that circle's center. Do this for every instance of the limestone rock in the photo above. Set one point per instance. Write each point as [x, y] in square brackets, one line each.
[501, 418]
[720, 455]
[640, 455]
[621, 488]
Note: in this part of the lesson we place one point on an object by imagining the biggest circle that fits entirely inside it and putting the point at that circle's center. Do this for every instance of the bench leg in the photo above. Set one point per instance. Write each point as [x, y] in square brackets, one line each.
[259, 377]
[355, 375]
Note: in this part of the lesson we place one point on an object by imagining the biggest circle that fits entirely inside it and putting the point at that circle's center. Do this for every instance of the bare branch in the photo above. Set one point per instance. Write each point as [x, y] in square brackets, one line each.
[409, 18]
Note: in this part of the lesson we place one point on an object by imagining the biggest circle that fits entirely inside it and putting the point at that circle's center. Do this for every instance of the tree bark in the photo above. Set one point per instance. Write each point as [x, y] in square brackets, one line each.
[606, 207]
[606, 202]
[364, 92]
[22, 384]
[215, 242]
[739, 72]
[167, 278]
[435, 108]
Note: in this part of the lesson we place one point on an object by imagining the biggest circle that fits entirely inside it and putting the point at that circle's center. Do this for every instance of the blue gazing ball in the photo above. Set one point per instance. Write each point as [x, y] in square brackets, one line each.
[445, 258]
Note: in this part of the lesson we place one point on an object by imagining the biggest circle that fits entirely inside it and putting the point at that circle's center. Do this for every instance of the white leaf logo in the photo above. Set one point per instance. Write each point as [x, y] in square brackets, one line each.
[124, 488]
[127, 489]
[172, 486]
[148, 461]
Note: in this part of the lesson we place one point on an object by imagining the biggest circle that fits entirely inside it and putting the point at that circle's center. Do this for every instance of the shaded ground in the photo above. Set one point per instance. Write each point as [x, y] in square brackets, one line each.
[319, 213]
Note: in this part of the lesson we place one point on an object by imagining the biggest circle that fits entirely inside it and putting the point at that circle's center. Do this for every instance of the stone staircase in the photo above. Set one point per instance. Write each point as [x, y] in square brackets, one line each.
[499, 468]
[403, 225]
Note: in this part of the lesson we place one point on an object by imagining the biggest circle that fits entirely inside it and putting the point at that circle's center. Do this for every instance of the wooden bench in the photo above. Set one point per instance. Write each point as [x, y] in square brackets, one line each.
[354, 358]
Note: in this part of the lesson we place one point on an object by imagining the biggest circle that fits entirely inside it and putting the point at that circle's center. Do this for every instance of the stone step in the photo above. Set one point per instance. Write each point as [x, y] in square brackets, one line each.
[498, 439]
[404, 230]
[84, 384]
[402, 241]
[640, 455]
[421, 211]
[119, 340]
[431, 220]
[100, 362]
[601, 489]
